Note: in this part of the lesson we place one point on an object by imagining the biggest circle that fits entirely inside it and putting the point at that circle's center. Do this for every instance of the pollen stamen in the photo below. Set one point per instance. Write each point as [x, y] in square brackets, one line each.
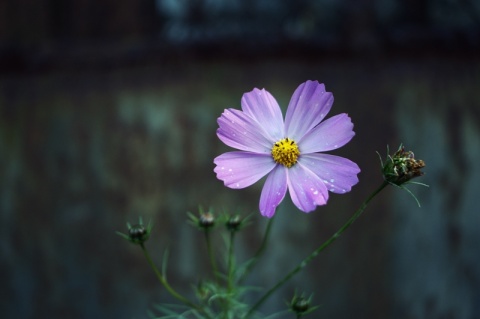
[285, 152]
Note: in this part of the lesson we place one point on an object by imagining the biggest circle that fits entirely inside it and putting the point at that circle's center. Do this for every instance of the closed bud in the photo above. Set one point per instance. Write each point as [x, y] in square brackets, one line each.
[138, 233]
[300, 305]
[203, 221]
[206, 220]
[234, 223]
[401, 167]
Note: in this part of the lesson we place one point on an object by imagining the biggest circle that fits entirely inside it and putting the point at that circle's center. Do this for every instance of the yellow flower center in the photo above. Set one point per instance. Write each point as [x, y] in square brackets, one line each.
[285, 152]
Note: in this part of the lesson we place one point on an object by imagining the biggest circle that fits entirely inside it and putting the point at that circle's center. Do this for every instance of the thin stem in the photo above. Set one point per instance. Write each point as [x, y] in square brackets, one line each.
[309, 258]
[230, 271]
[230, 262]
[260, 250]
[167, 286]
[210, 254]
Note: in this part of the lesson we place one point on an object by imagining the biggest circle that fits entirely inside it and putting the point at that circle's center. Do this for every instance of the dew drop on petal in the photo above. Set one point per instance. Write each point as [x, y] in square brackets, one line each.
[332, 180]
[315, 192]
[332, 189]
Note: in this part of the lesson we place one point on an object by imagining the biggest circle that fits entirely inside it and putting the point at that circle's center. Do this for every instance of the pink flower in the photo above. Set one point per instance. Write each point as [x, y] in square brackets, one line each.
[287, 151]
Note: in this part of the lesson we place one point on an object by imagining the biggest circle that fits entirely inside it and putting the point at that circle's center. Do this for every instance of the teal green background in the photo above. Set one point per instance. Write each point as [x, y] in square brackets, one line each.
[106, 116]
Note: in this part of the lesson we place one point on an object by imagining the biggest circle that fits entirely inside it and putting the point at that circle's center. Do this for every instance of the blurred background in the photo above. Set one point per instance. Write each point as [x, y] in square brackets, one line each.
[108, 112]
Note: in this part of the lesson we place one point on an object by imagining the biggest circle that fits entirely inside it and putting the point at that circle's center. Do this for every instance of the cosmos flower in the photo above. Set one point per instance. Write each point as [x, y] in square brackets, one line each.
[287, 151]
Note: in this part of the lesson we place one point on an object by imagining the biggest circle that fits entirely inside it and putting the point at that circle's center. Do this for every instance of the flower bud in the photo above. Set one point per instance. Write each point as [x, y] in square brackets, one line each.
[206, 220]
[138, 234]
[300, 305]
[401, 167]
[234, 223]
[203, 221]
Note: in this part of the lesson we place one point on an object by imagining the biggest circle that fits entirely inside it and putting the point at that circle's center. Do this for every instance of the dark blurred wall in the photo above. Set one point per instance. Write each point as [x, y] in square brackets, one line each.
[436, 249]
[108, 112]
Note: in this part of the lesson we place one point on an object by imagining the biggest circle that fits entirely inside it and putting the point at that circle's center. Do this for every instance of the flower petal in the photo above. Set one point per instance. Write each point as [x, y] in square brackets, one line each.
[306, 189]
[338, 173]
[308, 106]
[242, 169]
[238, 130]
[262, 106]
[273, 191]
[328, 135]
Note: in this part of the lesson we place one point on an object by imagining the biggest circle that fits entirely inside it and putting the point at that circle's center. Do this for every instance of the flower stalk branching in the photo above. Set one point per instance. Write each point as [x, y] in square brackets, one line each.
[291, 155]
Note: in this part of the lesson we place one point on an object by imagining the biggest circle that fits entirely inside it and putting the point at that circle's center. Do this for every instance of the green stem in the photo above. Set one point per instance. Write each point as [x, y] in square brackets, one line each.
[167, 286]
[210, 254]
[230, 271]
[316, 251]
[260, 250]
[230, 261]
